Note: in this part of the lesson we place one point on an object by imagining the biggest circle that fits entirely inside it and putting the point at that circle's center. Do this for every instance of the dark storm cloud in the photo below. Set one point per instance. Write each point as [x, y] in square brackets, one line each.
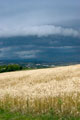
[41, 48]
[46, 29]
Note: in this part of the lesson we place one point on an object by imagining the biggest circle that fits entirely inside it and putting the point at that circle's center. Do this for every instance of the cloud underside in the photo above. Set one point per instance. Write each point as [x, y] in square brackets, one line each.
[44, 30]
[39, 53]
[28, 54]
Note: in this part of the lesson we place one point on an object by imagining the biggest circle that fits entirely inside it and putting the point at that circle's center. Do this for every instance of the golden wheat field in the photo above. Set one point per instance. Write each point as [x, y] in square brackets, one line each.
[38, 91]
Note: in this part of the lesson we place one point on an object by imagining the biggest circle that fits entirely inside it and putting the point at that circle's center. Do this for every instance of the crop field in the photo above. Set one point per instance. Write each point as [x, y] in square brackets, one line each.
[39, 91]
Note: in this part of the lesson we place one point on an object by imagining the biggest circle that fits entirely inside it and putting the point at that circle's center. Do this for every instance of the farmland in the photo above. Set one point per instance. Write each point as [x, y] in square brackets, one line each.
[41, 91]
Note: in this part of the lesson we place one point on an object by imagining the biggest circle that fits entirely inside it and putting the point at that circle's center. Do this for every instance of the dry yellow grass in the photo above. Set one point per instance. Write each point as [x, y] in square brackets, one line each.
[40, 90]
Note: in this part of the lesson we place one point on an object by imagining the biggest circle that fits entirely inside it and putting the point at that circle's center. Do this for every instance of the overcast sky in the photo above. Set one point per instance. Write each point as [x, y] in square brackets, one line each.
[56, 24]
[23, 17]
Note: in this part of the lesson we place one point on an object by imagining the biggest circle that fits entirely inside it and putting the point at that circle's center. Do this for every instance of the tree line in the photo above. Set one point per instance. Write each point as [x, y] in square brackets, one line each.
[10, 67]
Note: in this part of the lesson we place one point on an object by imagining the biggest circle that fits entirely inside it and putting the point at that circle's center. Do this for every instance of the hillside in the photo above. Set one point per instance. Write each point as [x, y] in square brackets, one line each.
[42, 89]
